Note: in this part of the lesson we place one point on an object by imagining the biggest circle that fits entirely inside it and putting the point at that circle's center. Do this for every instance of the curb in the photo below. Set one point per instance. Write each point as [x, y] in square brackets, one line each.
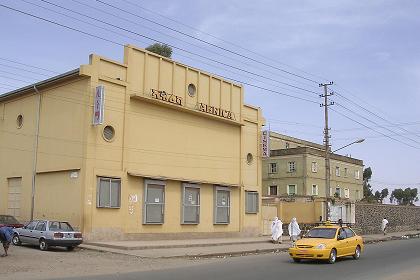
[237, 253]
[119, 247]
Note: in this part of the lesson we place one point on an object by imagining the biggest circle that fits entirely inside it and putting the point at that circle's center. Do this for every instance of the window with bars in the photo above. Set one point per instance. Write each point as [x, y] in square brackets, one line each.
[291, 189]
[154, 202]
[337, 171]
[272, 190]
[221, 205]
[357, 174]
[314, 189]
[190, 204]
[251, 202]
[346, 193]
[345, 172]
[314, 166]
[108, 193]
[272, 167]
[291, 166]
[337, 192]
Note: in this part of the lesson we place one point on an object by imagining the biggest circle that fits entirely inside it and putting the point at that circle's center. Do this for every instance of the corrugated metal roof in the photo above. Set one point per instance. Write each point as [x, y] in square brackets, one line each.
[29, 88]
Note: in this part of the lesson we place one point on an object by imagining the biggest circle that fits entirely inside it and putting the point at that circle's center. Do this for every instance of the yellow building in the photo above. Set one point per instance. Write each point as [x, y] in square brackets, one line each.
[294, 179]
[147, 147]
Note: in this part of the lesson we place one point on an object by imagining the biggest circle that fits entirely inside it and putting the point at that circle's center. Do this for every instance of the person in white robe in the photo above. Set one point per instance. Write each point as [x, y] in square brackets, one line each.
[294, 230]
[384, 225]
[276, 230]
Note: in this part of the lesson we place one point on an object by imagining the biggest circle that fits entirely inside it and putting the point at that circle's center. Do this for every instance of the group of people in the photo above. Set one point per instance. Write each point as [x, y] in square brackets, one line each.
[294, 230]
[277, 230]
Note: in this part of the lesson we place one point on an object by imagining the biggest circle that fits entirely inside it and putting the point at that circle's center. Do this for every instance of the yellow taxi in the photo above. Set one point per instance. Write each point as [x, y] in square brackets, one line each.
[327, 242]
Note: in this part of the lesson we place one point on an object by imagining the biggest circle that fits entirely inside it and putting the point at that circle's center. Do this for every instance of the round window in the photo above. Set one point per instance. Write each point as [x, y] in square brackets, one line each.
[191, 90]
[249, 158]
[19, 121]
[108, 133]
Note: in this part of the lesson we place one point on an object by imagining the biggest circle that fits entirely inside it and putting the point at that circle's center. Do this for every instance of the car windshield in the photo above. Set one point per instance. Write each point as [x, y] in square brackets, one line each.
[5, 219]
[60, 226]
[328, 233]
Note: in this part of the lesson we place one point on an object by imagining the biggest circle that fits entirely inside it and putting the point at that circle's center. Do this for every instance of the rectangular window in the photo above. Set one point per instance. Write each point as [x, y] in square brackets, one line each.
[357, 174]
[291, 189]
[337, 192]
[109, 193]
[222, 205]
[154, 202]
[251, 202]
[337, 171]
[357, 195]
[345, 172]
[346, 193]
[273, 167]
[314, 166]
[291, 166]
[314, 189]
[272, 190]
[190, 204]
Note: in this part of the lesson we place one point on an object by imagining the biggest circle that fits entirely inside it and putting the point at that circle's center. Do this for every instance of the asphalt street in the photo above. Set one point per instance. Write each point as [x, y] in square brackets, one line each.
[395, 260]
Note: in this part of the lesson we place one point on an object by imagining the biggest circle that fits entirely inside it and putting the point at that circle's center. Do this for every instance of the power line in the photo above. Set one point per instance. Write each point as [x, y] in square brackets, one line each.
[111, 41]
[223, 40]
[206, 42]
[179, 48]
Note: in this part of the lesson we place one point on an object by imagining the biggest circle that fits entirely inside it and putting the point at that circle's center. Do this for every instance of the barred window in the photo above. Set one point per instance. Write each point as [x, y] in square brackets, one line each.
[109, 193]
[251, 202]
[273, 167]
[291, 166]
[190, 204]
[222, 205]
[154, 202]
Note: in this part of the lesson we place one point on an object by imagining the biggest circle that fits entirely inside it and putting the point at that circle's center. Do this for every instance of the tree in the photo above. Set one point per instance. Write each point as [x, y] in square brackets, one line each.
[368, 195]
[380, 195]
[161, 49]
[404, 197]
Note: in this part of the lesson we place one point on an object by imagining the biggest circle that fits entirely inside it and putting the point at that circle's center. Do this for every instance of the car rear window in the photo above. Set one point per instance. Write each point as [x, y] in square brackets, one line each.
[60, 226]
[327, 233]
[8, 220]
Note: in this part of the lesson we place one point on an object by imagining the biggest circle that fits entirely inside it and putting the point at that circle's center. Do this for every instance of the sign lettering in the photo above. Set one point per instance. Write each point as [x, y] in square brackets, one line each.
[98, 105]
[265, 142]
[216, 111]
[167, 97]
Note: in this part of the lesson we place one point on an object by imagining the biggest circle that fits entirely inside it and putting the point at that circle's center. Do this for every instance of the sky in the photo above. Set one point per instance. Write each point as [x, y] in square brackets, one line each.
[279, 50]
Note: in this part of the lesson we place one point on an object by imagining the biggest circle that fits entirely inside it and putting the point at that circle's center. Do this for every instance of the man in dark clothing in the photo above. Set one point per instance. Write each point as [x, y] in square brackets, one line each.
[6, 234]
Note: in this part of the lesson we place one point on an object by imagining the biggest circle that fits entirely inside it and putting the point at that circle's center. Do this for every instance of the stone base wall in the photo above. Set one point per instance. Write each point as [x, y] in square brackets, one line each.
[401, 218]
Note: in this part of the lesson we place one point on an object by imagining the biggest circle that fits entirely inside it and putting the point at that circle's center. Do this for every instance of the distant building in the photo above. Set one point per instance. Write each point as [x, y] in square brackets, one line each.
[147, 147]
[294, 179]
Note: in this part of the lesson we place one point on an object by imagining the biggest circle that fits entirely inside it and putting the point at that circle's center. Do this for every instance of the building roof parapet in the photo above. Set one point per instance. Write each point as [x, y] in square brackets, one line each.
[315, 152]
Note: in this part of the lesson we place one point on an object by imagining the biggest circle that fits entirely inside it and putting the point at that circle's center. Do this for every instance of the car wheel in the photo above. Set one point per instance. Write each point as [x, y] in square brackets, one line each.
[296, 260]
[333, 256]
[70, 248]
[356, 255]
[43, 245]
[16, 240]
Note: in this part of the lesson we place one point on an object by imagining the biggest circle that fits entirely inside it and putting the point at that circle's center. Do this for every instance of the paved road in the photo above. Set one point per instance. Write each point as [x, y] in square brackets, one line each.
[396, 260]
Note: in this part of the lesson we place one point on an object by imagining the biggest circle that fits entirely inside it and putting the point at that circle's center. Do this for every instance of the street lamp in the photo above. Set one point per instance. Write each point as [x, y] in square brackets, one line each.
[327, 174]
[355, 142]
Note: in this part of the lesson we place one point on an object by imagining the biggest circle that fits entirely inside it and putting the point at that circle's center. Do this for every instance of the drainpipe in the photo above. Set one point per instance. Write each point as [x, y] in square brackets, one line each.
[35, 154]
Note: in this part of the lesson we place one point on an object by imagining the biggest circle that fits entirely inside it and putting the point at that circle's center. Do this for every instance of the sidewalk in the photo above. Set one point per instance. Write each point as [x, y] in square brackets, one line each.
[217, 247]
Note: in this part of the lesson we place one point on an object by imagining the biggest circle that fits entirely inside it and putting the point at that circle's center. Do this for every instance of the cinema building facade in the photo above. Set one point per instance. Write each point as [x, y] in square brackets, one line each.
[140, 149]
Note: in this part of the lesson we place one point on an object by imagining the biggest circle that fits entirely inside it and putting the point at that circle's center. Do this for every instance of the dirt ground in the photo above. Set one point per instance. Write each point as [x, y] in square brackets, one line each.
[25, 262]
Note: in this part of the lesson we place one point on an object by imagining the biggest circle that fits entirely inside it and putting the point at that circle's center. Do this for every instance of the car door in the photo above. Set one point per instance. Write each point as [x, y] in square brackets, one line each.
[352, 241]
[341, 242]
[25, 233]
[38, 232]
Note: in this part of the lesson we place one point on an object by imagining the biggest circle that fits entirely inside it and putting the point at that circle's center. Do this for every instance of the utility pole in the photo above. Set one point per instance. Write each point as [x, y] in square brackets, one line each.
[327, 148]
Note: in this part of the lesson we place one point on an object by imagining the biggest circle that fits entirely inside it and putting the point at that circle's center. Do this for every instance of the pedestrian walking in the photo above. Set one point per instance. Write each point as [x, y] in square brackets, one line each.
[294, 230]
[276, 230]
[384, 225]
[6, 234]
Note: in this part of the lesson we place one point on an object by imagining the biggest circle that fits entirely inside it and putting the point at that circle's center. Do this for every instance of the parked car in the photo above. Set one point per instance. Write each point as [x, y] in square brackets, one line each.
[327, 242]
[9, 221]
[44, 234]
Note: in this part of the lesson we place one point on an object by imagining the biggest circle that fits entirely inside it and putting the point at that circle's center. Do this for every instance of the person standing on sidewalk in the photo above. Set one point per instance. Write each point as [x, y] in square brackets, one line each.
[6, 234]
[276, 230]
[384, 225]
[294, 230]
